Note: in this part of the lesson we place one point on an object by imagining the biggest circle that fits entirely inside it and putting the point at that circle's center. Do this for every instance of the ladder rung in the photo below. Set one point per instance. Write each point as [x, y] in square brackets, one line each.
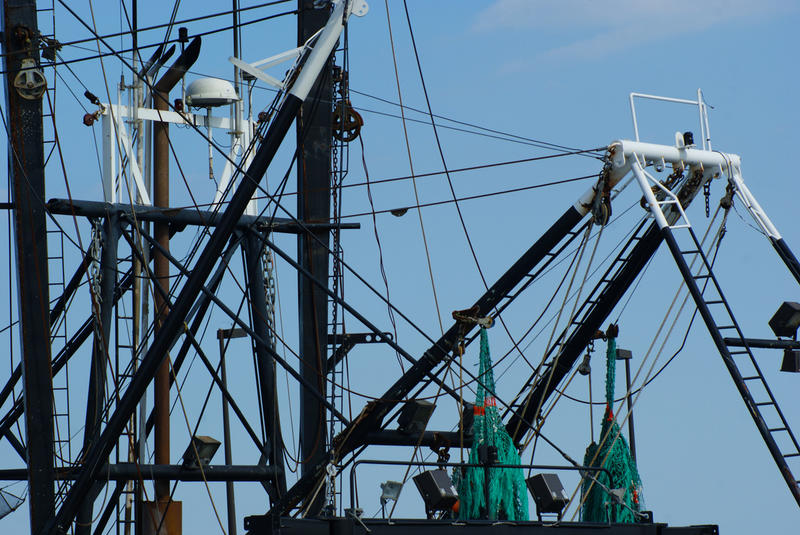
[693, 251]
[742, 352]
[763, 403]
[699, 277]
[792, 455]
[727, 327]
[715, 302]
[751, 377]
[778, 429]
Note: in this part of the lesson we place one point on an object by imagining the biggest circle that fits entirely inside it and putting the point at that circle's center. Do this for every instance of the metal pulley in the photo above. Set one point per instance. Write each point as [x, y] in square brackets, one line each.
[601, 204]
[347, 122]
[30, 83]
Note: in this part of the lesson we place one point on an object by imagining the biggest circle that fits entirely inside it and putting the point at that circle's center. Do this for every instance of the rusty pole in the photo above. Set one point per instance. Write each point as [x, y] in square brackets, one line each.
[161, 150]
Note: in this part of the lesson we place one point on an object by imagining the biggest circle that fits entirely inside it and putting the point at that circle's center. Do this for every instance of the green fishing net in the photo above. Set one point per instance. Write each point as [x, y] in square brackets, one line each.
[614, 455]
[508, 499]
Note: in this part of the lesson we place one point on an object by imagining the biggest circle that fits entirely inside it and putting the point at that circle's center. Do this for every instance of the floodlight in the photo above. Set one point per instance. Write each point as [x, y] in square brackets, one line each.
[786, 320]
[624, 354]
[437, 490]
[414, 416]
[548, 494]
[791, 361]
[390, 490]
[205, 448]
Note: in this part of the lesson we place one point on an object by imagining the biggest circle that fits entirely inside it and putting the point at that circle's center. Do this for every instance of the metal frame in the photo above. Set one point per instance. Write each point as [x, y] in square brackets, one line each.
[98, 453]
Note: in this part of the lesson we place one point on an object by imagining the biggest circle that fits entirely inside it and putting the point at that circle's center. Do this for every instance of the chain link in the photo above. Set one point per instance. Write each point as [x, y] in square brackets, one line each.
[95, 248]
[270, 292]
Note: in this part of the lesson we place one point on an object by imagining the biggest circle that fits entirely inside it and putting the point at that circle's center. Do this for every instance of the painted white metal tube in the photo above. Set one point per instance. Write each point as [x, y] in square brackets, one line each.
[655, 209]
[670, 154]
[750, 202]
[320, 53]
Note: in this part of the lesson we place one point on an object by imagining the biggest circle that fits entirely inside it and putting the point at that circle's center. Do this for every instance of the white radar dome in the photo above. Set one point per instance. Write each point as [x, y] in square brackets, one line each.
[210, 92]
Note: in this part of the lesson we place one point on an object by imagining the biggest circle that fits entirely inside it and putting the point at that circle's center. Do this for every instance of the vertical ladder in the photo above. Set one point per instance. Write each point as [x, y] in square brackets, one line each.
[47, 28]
[124, 368]
[58, 338]
[740, 362]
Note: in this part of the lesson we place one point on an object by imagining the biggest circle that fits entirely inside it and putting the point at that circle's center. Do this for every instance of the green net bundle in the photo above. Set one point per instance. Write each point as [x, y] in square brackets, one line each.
[614, 455]
[508, 499]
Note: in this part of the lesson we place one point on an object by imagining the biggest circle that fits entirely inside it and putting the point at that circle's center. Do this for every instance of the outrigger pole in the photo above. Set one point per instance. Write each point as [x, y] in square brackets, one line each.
[763, 221]
[715, 310]
[98, 453]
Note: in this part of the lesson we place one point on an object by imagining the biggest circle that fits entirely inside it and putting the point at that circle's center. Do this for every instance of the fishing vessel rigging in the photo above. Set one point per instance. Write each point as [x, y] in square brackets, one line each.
[155, 268]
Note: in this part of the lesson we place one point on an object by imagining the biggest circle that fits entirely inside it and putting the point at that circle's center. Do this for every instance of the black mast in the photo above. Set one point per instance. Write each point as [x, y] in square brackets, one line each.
[313, 206]
[24, 89]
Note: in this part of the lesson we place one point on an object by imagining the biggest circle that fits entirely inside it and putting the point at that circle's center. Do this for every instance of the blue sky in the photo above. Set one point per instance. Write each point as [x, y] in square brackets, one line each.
[557, 72]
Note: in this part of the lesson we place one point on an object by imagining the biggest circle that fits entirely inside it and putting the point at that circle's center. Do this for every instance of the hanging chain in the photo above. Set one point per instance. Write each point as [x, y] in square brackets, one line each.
[270, 292]
[95, 248]
[707, 194]
[95, 276]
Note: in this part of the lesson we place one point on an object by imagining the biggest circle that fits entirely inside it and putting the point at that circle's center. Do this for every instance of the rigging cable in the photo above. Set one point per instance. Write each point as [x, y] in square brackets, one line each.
[413, 175]
[714, 244]
[351, 270]
[520, 139]
[402, 210]
[447, 174]
[380, 251]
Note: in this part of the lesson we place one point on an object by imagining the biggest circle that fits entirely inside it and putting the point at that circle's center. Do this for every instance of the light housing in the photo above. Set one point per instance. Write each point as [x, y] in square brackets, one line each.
[791, 361]
[624, 354]
[390, 490]
[437, 490]
[206, 448]
[786, 320]
[548, 494]
[414, 416]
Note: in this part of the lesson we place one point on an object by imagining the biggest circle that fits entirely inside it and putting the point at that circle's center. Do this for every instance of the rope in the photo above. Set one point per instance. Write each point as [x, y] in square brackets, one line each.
[639, 391]
[411, 167]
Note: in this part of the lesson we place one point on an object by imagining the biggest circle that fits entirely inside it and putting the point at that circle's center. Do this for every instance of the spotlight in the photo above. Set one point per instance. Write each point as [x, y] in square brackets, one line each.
[390, 490]
[414, 416]
[791, 361]
[688, 139]
[786, 320]
[437, 491]
[206, 448]
[548, 494]
[624, 354]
